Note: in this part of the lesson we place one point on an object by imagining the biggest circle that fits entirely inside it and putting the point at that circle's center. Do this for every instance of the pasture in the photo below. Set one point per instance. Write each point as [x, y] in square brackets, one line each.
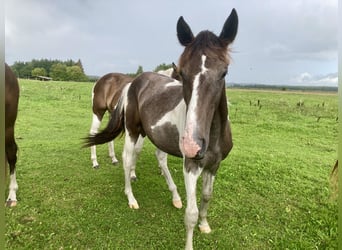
[272, 192]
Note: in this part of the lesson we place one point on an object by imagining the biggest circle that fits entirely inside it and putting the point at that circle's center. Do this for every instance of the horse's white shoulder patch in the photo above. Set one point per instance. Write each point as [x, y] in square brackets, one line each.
[175, 117]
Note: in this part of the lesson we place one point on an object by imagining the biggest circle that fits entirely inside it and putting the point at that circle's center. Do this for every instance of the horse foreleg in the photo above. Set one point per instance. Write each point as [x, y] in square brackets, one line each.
[207, 190]
[129, 161]
[191, 211]
[112, 152]
[162, 160]
[93, 130]
[13, 187]
[11, 155]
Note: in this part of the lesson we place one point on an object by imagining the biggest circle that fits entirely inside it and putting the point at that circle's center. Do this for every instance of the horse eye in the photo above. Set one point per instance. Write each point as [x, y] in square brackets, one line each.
[224, 74]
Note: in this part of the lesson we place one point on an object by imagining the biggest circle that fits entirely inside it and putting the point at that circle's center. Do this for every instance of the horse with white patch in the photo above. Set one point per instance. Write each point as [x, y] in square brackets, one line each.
[11, 110]
[187, 118]
[106, 93]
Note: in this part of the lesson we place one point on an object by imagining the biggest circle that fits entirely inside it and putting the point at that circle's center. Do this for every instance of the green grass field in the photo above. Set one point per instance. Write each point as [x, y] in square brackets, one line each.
[272, 192]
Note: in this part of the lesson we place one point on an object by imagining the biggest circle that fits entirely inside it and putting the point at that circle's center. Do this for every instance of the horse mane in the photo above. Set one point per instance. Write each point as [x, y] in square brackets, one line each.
[206, 43]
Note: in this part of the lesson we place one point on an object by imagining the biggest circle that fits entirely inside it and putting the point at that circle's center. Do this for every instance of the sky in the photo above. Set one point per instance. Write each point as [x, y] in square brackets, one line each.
[287, 42]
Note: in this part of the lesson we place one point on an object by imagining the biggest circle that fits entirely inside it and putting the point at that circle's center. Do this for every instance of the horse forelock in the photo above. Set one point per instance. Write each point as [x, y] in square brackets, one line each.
[208, 44]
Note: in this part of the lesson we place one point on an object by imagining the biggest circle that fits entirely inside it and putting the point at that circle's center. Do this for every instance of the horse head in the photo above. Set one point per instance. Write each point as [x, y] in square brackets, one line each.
[202, 68]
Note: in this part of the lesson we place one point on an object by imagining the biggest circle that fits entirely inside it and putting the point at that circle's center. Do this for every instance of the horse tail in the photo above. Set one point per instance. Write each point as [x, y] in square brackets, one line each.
[115, 127]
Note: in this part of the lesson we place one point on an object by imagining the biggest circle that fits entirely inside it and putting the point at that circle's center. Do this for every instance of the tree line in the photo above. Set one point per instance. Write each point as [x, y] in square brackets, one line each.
[59, 70]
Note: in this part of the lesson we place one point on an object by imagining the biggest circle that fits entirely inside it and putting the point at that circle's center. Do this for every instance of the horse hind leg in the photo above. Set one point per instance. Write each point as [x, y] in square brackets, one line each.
[112, 152]
[162, 160]
[129, 158]
[11, 155]
[137, 149]
[96, 122]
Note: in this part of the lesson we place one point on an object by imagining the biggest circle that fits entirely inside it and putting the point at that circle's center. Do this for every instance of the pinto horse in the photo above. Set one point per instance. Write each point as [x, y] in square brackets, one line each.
[106, 93]
[11, 110]
[187, 118]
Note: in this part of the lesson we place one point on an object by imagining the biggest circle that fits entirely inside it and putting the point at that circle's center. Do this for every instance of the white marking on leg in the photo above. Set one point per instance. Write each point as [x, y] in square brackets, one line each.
[162, 160]
[13, 187]
[112, 152]
[191, 212]
[207, 190]
[129, 160]
[93, 130]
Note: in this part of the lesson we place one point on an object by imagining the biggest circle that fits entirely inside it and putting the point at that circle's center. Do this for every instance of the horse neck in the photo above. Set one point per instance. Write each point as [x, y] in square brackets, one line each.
[220, 129]
[222, 108]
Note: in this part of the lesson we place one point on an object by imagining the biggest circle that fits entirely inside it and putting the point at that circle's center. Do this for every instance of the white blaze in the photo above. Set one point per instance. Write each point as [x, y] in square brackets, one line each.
[188, 145]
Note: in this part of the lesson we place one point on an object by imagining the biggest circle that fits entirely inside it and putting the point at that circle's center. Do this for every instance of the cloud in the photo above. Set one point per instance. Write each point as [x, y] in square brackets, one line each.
[305, 79]
[276, 39]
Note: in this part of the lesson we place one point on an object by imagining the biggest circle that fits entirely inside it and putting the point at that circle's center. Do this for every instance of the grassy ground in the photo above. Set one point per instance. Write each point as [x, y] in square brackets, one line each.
[272, 192]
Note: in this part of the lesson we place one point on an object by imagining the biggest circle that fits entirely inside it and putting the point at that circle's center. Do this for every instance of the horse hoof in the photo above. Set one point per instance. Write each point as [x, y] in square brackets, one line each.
[11, 203]
[115, 161]
[205, 229]
[134, 206]
[134, 178]
[96, 167]
[177, 204]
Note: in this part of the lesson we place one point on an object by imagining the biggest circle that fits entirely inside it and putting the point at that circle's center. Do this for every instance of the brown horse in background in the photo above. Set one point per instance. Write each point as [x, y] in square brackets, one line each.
[11, 110]
[106, 93]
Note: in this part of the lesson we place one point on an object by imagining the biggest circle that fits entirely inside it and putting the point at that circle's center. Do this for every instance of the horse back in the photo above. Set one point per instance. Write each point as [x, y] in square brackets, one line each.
[107, 91]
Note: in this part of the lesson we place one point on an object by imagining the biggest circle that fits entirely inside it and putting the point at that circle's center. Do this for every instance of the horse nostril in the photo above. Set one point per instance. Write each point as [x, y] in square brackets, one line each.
[200, 154]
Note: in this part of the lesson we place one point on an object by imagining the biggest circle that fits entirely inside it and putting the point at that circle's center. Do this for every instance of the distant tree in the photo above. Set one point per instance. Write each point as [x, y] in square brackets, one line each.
[79, 64]
[75, 74]
[58, 72]
[38, 72]
[139, 70]
[26, 70]
[56, 69]
[162, 66]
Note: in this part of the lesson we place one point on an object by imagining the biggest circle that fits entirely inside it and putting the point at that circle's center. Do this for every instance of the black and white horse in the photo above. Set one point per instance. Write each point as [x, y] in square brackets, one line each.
[187, 118]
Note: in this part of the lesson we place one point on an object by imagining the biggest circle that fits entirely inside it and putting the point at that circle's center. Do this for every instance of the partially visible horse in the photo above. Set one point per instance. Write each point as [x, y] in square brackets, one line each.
[11, 110]
[106, 93]
[188, 119]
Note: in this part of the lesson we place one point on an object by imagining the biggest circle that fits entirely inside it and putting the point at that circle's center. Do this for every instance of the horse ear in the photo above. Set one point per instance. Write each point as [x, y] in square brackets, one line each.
[184, 32]
[230, 28]
[175, 73]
